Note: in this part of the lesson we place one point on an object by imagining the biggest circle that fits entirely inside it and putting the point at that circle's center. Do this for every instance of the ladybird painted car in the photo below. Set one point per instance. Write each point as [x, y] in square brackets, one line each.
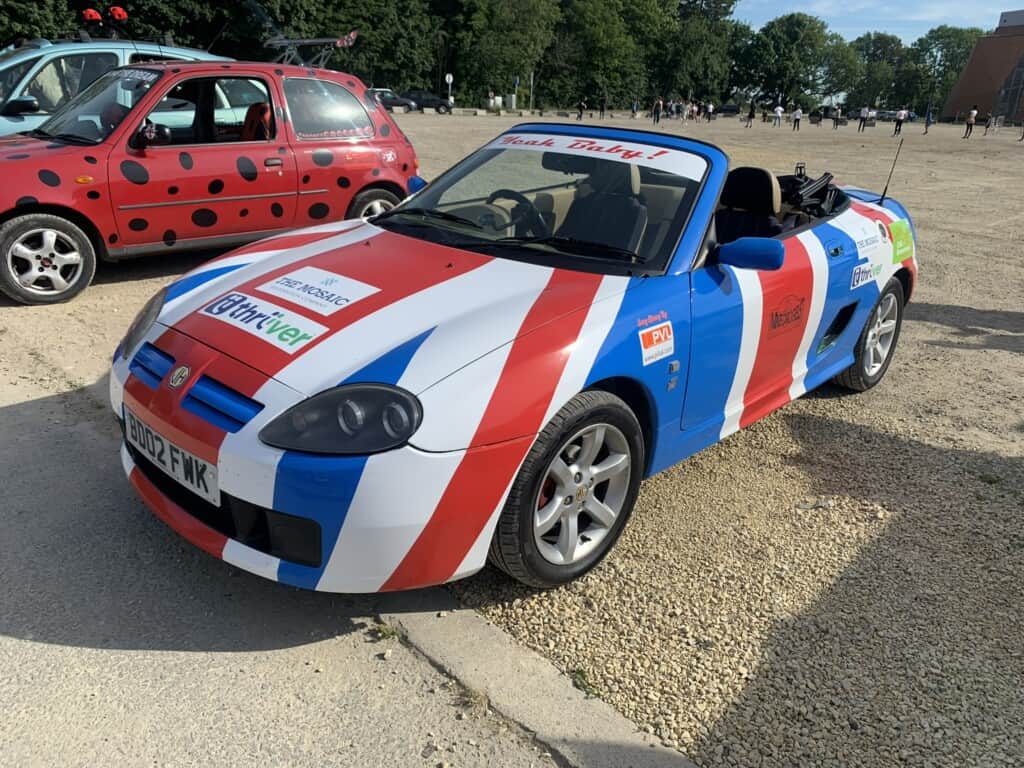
[491, 368]
[156, 157]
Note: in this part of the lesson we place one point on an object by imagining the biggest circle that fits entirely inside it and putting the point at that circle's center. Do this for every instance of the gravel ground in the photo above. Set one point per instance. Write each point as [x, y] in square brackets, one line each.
[843, 583]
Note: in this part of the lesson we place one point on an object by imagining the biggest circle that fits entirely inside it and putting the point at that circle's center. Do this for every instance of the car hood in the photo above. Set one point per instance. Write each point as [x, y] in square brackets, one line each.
[318, 307]
[33, 167]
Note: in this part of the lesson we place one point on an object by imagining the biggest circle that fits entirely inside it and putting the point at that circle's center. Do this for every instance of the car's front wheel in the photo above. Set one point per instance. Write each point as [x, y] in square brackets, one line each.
[443, 109]
[46, 259]
[573, 494]
[877, 342]
[370, 203]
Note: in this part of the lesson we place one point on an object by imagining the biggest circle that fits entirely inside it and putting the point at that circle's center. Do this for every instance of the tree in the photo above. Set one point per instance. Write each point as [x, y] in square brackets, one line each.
[841, 68]
[881, 55]
[34, 18]
[792, 48]
[942, 54]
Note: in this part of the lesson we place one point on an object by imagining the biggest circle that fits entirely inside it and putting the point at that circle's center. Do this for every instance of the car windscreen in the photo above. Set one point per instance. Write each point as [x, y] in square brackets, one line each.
[12, 74]
[590, 203]
[94, 113]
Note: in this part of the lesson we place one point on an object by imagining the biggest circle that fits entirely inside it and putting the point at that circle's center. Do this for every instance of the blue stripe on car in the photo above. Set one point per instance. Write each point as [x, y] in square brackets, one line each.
[191, 282]
[322, 487]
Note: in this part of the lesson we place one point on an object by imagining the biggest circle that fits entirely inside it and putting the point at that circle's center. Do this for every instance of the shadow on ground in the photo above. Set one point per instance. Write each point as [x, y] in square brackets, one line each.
[978, 328]
[915, 651]
[84, 563]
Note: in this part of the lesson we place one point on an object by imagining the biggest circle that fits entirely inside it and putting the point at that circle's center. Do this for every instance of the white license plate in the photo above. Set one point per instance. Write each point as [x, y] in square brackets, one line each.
[197, 475]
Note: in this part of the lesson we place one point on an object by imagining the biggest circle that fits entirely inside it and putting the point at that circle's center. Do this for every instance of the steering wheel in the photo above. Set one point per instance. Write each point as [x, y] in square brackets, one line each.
[524, 211]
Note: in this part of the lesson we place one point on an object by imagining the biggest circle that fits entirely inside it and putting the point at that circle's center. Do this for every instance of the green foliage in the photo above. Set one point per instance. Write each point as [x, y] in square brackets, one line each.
[34, 18]
[791, 49]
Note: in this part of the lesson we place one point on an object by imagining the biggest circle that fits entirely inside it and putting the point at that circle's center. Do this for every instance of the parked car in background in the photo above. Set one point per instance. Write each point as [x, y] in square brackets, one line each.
[729, 109]
[39, 77]
[393, 101]
[426, 100]
[189, 155]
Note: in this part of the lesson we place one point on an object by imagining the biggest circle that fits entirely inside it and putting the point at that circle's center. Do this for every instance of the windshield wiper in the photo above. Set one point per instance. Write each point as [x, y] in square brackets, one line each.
[430, 213]
[573, 245]
[37, 133]
[74, 138]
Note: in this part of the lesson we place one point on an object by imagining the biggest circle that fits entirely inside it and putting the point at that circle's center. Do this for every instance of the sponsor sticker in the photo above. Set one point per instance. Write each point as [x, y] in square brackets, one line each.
[864, 273]
[657, 342]
[902, 241]
[319, 290]
[787, 312]
[288, 331]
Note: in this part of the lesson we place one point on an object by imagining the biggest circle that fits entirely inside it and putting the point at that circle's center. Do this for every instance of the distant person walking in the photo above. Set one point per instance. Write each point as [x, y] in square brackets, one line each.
[604, 106]
[750, 115]
[836, 114]
[778, 115]
[579, 109]
[901, 116]
[990, 124]
[863, 124]
[929, 118]
[972, 116]
[634, 108]
[710, 111]
[797, 115]
[656, 111]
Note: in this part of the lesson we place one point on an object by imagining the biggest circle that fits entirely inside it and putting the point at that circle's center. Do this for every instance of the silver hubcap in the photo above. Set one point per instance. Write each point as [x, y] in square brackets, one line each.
[44, 261]
[582, 494]
[377, 206]
[881, 333]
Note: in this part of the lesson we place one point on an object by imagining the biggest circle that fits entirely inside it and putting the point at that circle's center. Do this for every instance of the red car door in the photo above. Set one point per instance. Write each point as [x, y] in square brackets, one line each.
[227, 174]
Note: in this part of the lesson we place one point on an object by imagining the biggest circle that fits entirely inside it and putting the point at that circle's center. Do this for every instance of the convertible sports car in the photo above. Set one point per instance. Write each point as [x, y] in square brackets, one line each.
[489, 369]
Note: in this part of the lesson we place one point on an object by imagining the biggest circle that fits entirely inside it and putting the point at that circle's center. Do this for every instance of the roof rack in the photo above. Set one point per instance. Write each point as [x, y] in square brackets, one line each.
[290, 53]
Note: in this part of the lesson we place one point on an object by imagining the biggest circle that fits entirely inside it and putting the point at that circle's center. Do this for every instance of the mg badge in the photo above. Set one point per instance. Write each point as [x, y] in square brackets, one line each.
[581, 494]
[179, 376]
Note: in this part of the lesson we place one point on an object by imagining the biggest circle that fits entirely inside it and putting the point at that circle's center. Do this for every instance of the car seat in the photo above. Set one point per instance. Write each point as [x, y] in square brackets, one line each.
[750, 204]
[257, 123]
[607, 208]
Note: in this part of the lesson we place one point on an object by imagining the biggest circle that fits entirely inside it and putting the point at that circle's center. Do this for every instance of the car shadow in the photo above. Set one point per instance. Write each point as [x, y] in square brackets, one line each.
[174, 262]
[978, 328]
[86, 564]
[914, 650]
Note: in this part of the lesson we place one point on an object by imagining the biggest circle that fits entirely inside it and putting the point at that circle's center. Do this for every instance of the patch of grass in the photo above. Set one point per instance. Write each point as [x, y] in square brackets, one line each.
[580, 680]
[384, 631]
[985, 477]
[473, 700]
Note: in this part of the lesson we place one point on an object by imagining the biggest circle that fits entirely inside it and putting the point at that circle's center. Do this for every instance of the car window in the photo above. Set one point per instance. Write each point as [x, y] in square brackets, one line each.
[137, 58]
[11, 75]
[101, 107]
[63, 78]
[206, 110]
[320, 108]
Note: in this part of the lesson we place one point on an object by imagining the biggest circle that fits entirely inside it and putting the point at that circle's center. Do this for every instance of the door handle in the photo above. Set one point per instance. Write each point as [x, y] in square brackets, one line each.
[270, 162]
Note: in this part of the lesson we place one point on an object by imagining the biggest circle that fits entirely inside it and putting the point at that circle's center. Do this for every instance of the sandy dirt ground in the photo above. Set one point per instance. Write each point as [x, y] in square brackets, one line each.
[841, 584]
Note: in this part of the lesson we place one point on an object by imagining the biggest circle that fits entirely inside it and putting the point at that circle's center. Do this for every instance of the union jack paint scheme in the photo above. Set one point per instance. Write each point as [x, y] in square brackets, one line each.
[491, 368]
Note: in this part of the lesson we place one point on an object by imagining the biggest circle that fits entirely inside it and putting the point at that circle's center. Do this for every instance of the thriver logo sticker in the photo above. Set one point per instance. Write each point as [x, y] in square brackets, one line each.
[288, 331]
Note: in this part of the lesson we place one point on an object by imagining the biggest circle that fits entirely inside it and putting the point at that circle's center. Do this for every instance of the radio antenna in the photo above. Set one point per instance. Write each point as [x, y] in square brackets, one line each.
[891, 171]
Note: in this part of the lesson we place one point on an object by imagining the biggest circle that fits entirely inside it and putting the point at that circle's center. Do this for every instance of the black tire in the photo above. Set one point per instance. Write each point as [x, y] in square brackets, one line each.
[514, 549]
[856, 378]
[361, 203]
[443, 109]
[23, 230]
[406, 109]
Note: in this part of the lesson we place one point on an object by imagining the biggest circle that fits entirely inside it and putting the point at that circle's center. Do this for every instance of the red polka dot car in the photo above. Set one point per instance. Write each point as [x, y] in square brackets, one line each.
[206, 155]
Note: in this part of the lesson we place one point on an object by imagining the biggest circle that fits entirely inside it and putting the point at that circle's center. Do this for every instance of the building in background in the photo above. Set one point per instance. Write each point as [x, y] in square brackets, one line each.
[994, 76]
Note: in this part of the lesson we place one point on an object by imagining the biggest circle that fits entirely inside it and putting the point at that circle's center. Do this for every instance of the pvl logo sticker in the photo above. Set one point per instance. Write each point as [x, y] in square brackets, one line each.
[179, 376]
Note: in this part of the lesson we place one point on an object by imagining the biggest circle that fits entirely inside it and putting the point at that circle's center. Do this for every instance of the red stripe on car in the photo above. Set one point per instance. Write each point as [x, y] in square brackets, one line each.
[176, 518]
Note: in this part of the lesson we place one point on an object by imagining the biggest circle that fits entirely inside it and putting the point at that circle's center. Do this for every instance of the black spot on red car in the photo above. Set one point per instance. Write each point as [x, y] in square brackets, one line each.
[170, 237]
[112, 239]
[351, 83]
[19, 156]
[277, 210]
[90, 160]
[376, 171]
[56, 145]
[385, 130]
[26, 200]
[49, 178]
[186, 160]
[281, 150]
[318, 210]
[247, 169]
[215, 187]
[343, 182]
[134, 172]
[323, 158]
[278, 71]
[244, 212]
[92, 194]
[204, 217]
[138, 225]
[172, 190]
[305, 179]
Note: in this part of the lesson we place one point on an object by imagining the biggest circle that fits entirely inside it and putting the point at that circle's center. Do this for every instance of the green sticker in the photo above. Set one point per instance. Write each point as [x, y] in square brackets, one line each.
[902, 241]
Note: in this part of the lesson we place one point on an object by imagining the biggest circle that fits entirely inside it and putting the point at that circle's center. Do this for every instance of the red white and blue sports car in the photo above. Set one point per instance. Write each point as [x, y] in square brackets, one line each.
[488, 370]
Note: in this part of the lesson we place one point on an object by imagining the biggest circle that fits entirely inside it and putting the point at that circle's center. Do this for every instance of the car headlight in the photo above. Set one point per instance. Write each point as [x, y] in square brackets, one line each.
[350, 419]
[143, 322]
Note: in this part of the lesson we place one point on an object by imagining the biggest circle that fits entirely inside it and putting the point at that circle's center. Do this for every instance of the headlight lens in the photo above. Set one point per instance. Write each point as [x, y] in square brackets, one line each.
[142, 323]
[350, 419]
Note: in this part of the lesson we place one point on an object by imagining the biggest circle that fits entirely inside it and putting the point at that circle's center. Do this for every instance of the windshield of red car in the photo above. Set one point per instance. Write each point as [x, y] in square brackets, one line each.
[94, 113]
[589, 202]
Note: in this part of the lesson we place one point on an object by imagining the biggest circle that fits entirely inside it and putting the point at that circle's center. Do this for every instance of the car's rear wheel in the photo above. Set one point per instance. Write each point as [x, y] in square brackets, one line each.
[443, 109]
[573, 494]
[406, 109]
[46, 259]
[877, 343]
[371, 202]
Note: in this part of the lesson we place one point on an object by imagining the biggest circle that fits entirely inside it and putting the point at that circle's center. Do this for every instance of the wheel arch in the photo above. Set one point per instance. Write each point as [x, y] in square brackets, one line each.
[907, 281]
[387, 185]
[634, 394]
[77, 218]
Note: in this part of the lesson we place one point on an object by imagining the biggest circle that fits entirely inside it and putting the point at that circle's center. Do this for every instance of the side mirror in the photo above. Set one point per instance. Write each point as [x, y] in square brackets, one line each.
[416, 183]
[753, 253]
[150, 135]
[20, 106]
